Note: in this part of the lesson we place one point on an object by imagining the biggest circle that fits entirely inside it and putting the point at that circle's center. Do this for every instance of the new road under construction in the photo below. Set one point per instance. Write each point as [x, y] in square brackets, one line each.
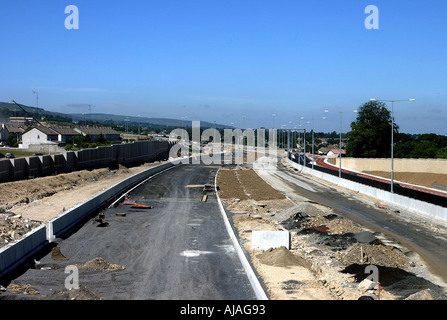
[190, 232]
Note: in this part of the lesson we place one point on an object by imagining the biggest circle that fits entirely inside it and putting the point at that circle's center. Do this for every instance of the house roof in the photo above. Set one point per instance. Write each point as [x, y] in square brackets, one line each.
[66, 131]
[12, 128]
[46, 130]
[337, 151]
[96, 130]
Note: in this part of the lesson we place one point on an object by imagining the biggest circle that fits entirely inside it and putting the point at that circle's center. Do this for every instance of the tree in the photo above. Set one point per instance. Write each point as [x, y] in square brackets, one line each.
[442, 153]
[371, 132]
[12, 140]
[101, 139]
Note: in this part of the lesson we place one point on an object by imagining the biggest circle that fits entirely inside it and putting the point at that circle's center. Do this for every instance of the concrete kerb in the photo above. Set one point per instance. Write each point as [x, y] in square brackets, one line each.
[257, 287]
[405, 203]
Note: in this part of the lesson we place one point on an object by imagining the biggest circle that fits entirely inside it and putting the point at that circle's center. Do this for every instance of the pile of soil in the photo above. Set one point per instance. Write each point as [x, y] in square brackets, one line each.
[83, 293]
[13, 227]
[379, 255]
[282, 257]
[99, 264]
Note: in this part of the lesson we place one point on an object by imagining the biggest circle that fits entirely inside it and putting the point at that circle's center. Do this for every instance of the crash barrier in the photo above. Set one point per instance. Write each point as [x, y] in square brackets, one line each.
[16, 254]
[408, 199]
[406, 192]
[99, 157]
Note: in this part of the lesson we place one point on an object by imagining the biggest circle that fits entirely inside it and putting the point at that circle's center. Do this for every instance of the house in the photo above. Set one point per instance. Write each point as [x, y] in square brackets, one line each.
[65, 134]
[39, 135]
[94, 132]
[7, 129]
[336, 152]
[324, 150]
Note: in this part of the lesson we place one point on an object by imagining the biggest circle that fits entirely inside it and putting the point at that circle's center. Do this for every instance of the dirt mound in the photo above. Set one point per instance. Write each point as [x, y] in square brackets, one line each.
[380, 255]
[99, 264]
[83, 293]
[281, 257]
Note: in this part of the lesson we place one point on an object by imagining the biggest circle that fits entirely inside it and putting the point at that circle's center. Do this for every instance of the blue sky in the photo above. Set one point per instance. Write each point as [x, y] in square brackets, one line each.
[217, 60]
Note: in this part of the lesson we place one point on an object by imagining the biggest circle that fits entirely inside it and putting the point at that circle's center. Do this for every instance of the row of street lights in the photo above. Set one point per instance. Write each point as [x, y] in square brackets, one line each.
[341, 129]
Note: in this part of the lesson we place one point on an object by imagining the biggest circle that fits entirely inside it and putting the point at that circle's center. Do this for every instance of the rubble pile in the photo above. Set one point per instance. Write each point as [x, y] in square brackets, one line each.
[13, 227]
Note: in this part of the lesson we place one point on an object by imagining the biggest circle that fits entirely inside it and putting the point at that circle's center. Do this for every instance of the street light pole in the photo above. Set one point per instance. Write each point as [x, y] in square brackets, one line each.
[339, 151]
[392, 136]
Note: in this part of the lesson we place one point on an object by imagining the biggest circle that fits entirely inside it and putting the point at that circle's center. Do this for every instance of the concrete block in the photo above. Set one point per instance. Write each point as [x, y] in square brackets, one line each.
[17, 253]
[19, 168]
[5, 170]
[70, 161]
[263, 240]
[58, 163]
[46, 165]
[34, 166]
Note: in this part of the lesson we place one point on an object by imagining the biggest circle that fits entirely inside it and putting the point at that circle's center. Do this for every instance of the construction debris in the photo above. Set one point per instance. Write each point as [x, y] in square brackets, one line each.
[13, 227]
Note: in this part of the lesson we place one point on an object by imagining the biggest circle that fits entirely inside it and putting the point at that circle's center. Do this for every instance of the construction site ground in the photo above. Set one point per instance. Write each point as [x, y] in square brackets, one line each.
[326, 260]
[328, 254]
[27, 204]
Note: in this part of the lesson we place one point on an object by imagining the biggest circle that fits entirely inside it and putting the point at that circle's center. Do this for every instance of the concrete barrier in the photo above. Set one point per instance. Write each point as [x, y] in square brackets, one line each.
[34, 166]
[5, 170]
[100, 157]
[19, 168]
[437, 166]
[402, 202]
[70, 161]
[264, 240]
[14, 255]
[58, 163]
[46, 165]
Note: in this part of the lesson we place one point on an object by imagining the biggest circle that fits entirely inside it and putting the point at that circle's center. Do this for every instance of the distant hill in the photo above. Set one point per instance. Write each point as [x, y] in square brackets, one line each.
[114, 119]
[12, 110]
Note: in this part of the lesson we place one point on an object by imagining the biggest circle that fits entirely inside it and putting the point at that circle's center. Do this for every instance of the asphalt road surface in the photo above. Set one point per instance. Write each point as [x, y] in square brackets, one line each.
[416, 234]
[178, 250]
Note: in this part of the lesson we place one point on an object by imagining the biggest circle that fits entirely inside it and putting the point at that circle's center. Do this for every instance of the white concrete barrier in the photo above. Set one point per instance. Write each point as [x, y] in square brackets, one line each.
[16, 254]
[264, 240]
[399, 201]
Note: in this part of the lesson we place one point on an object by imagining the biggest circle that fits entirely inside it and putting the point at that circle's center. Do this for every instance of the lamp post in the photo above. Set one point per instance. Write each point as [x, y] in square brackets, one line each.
[341, 128]
[392, 135]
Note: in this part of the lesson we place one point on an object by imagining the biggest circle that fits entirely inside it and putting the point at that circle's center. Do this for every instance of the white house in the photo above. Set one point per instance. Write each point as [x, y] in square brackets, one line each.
[39, 135]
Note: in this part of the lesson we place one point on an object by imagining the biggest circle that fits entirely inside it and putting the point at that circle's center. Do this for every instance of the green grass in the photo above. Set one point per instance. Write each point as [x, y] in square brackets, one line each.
[19, 153]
